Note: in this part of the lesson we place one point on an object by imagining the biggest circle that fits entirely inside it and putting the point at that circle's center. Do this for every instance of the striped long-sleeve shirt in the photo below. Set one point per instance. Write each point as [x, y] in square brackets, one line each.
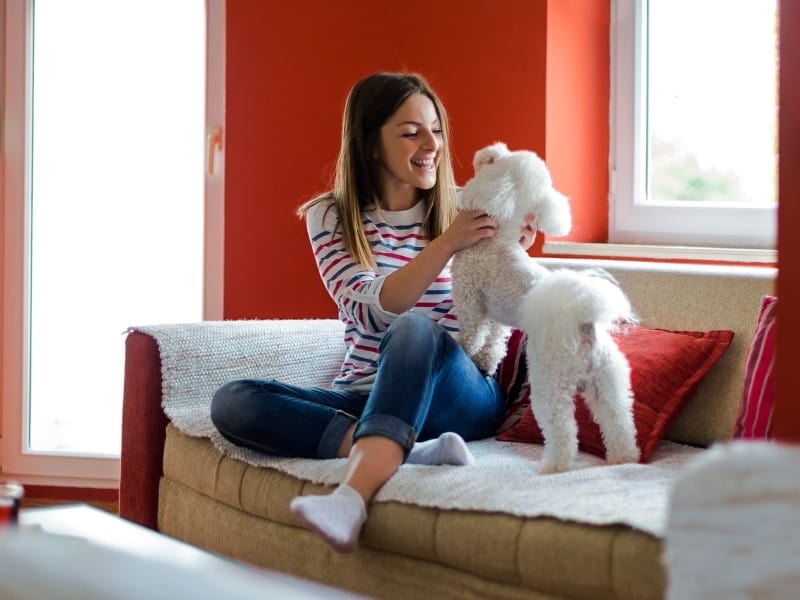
[396, 237]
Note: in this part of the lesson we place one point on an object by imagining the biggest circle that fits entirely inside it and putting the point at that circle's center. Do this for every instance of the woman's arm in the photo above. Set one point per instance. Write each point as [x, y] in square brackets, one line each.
[370, 300]
[353, 287]
[402, 289]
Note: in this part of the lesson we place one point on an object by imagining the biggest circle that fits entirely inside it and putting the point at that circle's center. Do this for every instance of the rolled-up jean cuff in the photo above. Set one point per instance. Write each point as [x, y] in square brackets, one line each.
[334, 434]
[387, 426]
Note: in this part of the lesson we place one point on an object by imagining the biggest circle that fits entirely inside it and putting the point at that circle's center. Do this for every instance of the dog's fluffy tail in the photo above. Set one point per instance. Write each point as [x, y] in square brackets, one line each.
[565, 306]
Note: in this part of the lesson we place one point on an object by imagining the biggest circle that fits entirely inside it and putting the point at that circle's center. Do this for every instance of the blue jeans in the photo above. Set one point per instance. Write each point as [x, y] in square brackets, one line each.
[425, 385]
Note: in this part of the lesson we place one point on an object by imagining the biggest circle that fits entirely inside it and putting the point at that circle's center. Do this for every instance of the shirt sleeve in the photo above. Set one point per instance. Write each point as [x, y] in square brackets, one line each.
[354, 288]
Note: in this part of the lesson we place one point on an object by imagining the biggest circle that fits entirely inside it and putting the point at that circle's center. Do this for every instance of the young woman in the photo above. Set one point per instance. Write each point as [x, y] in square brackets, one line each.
[382, 239]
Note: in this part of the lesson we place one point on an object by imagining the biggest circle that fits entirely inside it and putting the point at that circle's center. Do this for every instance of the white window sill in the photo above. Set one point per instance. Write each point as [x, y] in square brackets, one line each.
[642, 251]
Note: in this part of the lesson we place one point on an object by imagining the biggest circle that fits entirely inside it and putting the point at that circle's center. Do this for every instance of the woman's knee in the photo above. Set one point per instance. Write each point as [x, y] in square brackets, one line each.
[227, 401]
[412, 328]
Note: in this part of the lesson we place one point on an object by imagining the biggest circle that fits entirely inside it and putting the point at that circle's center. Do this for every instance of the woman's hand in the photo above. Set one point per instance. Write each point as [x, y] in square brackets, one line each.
[468, 228]
[527, 233]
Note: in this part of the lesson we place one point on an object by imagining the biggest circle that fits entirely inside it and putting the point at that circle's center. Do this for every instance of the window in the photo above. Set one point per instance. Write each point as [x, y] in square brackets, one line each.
[694, 123]
[104, 214]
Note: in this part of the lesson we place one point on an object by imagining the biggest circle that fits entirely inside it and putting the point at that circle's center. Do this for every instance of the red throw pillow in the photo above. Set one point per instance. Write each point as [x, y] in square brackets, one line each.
[666, 368]
[755, 414]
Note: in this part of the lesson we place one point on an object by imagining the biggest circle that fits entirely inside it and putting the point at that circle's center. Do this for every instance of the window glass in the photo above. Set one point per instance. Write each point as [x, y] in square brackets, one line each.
[712, 101]
[116, 202]
[694, 123]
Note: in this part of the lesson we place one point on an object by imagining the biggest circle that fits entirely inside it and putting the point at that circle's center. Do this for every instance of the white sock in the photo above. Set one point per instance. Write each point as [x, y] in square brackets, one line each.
[337, 517]
[448, 449]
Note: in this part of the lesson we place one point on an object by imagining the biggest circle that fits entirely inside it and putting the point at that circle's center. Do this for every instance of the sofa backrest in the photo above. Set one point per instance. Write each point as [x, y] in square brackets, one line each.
[696, 298]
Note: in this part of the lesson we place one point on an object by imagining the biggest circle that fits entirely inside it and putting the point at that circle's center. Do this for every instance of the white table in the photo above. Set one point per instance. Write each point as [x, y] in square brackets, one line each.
[78, 551]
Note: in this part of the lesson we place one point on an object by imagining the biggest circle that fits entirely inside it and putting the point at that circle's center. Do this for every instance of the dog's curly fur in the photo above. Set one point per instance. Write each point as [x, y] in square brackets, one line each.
[567, 315]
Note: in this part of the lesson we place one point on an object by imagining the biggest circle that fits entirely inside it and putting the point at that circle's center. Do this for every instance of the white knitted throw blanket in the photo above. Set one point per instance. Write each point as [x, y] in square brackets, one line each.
[197, 358]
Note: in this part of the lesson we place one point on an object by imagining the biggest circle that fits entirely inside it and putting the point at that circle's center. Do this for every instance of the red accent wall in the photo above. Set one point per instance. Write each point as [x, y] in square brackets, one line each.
[288, 68]
[577, 123]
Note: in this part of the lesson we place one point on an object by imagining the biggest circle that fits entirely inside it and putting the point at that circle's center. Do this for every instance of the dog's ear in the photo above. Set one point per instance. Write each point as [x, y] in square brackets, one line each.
[549, 207]
[555, 217]
[488, 155]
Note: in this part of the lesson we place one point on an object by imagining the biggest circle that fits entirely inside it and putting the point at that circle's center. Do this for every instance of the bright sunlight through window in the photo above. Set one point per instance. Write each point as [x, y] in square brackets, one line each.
[712, 101]
[116, 208]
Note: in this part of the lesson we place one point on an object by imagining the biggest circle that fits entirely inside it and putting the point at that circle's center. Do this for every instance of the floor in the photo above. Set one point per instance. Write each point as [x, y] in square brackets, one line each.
[112, 507]
[104, 499]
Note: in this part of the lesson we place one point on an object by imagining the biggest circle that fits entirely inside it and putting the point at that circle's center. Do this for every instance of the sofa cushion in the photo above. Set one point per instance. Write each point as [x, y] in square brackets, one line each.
[755, 415]
[666, 368]
[406, 551]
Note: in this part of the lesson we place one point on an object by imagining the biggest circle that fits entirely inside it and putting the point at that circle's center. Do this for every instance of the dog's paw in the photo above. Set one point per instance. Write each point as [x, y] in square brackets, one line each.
[622, 449]
[489, 371]
[620, 458]
[550, 468]
[485, 363]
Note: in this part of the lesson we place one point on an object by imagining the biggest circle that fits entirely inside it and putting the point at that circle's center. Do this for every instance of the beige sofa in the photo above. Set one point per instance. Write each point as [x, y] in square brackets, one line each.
[426, 540]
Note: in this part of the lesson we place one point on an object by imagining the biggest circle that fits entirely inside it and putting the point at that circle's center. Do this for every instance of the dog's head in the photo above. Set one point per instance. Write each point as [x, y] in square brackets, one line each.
[509, 185]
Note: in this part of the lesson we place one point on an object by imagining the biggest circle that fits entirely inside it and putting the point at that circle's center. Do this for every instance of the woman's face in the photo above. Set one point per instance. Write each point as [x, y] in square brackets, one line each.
[411, 145]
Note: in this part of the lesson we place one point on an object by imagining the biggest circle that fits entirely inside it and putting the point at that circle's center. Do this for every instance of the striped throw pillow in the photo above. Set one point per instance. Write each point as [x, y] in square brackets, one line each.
[512, 377]
[755, 413]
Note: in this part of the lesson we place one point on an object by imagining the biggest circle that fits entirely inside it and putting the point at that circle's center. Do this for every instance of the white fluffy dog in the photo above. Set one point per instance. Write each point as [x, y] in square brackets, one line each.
[567, 315]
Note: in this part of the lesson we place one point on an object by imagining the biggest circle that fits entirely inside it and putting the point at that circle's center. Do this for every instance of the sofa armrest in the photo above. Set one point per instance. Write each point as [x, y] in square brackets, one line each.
[179, 366]
[143, 431]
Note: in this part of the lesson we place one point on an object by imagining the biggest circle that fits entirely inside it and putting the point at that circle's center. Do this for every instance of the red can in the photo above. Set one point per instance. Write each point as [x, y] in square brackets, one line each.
[11, 494]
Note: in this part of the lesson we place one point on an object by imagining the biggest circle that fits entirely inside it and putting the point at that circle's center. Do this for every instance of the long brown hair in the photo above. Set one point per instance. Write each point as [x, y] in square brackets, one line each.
[369, 105]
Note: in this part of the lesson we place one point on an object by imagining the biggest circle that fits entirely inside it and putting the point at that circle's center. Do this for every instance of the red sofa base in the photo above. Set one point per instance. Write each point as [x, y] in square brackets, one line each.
[143, 431]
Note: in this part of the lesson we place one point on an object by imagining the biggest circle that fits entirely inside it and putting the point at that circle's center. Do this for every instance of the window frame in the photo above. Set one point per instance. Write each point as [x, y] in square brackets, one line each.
[17, 460]
[631, 219]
